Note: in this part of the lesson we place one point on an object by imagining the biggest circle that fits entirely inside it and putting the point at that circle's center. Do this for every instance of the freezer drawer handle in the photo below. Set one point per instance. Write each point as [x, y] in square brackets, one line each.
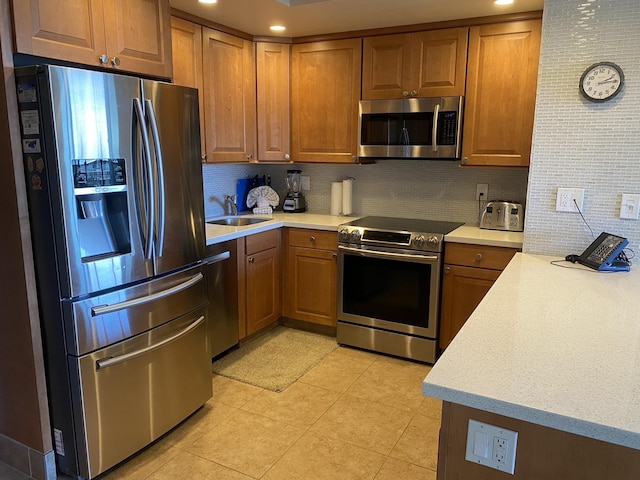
[108, 362]
[104, 309]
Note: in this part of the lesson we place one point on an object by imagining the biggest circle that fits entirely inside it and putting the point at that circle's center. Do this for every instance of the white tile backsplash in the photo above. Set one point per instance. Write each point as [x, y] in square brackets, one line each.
[578, 143]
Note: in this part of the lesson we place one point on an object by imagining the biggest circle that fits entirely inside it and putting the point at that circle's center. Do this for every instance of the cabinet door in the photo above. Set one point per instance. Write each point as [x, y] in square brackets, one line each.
[386, 66]
[186, 49]
[138, 32]
[262, 289]
[325, 91]
[71, 30]
[439, 62]
[310, 283]
[501, 92]
[462, 290]
[229, 97]
[272, 71]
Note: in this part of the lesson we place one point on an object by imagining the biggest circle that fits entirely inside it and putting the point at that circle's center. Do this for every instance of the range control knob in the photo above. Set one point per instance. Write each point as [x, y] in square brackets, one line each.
[419, 241]
[343, 235]
[433, 241]
[355, 236]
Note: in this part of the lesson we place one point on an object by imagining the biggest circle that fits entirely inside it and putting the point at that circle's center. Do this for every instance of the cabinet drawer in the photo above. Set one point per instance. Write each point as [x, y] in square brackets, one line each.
[302, 237]
[481, 256]
[260, 242]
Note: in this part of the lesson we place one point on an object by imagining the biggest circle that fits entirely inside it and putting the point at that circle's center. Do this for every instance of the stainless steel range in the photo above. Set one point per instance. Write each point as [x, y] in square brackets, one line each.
[389, 275]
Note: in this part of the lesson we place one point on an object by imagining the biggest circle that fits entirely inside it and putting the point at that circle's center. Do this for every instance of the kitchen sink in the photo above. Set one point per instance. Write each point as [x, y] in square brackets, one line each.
[237, 221]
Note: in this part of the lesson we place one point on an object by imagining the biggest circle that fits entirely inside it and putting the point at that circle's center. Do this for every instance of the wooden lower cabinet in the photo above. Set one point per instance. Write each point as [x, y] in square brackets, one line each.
[259, 297]
[469, 273]
[310, 276]
[541, 452]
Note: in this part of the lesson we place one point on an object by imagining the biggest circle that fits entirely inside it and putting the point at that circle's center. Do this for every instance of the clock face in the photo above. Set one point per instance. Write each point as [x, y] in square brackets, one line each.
[601, 82]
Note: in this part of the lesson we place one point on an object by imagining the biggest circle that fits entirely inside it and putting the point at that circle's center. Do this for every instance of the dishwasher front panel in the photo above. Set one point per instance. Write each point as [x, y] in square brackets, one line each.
[137, 390]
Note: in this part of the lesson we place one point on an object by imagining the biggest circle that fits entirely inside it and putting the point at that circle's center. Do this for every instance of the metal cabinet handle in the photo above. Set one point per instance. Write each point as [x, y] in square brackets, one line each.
[312, 239]
[447, 269]
[414, 93]
[335, 255]
[405, 93]
[109, 361]
[204, 157]
[478, 256]
[115, 61]
[250, 259]
[287, 156]
[250, 157]
[464, 160]
[103, 59]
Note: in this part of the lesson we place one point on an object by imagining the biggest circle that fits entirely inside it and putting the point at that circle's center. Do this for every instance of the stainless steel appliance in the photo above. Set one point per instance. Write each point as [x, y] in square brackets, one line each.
[222, 283]
[114, 181]
[411, 128]
[294, 201]
[503, 215]
[389, 272]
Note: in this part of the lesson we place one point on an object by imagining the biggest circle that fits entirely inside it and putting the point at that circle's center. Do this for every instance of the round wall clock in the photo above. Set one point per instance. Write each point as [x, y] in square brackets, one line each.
[601, 81]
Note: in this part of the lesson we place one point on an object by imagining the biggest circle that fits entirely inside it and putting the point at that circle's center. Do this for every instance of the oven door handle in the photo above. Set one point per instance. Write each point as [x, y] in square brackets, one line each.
[387, 255]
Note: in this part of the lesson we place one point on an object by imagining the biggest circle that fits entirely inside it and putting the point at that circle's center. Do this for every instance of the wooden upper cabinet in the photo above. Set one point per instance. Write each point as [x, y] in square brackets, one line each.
[423, 64]
[272, 71]
[128, 35]
[325, 91]
[501, 92]
[229, 97]
[186, 47]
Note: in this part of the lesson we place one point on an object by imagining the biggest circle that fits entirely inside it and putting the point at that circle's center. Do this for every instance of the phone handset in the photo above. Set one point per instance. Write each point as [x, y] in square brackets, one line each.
[604, 254]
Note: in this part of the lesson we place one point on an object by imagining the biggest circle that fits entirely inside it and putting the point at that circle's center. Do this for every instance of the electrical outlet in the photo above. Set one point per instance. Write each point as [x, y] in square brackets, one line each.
[568, 198]
[491, 446]
[630, 206]
[482, 191]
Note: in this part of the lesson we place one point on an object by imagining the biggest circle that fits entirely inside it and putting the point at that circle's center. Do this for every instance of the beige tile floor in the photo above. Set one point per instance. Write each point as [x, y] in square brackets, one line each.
[356, 415]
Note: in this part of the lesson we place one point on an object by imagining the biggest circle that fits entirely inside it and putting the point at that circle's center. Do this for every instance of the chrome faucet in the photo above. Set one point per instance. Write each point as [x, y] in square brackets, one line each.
[232, 201]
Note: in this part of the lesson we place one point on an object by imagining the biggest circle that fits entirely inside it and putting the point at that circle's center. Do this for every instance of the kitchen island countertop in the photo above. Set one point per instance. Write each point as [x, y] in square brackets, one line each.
[558, 347]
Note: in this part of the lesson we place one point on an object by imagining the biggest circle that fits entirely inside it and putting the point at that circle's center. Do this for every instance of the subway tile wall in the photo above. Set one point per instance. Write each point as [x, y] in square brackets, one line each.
[578, 143]
[437, 190]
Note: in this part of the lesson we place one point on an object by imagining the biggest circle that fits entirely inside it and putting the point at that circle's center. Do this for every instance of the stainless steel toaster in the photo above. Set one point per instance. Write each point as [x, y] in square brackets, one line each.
[503, 215]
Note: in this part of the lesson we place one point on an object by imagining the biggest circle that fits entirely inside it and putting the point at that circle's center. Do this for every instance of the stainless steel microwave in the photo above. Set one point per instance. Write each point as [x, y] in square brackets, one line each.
[410, 128]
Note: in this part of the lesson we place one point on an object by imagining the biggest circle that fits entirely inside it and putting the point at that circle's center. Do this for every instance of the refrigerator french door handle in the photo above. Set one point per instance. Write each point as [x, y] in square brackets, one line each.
[159, 171]
[104, 309]
[110, 361]
[148, 193]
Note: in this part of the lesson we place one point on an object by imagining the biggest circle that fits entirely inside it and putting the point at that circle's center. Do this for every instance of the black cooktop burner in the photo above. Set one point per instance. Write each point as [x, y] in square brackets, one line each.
[406, 225]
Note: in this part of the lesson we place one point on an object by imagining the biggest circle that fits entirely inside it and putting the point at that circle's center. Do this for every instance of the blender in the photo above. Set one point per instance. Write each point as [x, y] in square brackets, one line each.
[294, 201]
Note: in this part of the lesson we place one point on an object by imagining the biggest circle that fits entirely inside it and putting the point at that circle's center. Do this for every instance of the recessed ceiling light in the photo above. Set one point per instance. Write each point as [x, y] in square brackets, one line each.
[208, 1]
[277, 28]
[503, 2]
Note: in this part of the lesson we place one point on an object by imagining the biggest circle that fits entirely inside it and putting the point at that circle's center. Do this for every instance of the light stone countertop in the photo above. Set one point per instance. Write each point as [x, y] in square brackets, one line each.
[464, 234]
[558, 347]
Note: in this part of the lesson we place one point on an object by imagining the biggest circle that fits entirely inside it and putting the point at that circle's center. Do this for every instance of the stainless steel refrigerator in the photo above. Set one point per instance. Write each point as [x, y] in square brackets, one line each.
[114, 182]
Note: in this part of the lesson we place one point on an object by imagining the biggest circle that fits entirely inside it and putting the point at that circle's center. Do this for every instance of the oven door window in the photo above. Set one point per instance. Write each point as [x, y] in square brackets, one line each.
[390, 290]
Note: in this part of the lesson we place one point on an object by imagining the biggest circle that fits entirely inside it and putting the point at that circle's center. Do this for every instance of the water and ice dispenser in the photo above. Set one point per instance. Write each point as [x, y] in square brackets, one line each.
[100, 188]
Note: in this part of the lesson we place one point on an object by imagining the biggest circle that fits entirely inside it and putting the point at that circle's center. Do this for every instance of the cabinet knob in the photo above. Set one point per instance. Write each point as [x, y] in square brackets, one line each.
[447, 270]
[287, 156]
[414, 93]
[204, 157]
[464, 160]
[335, 255]
[250, 259]
[405, 93]
[103, 59]
[312, 239]
[478, 256]
[250, 157]
[115, 61]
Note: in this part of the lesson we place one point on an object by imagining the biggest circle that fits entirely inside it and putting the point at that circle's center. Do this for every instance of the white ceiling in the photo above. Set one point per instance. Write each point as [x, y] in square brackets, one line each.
[312, 17]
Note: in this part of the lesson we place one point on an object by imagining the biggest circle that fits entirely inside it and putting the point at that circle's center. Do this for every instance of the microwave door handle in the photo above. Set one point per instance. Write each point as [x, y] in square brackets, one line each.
[147, 183]
[159, 195]
[434, 131]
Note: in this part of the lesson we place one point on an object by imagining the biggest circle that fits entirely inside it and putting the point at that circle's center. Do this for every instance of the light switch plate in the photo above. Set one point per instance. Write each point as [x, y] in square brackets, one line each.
[630, 206]
[491, 446]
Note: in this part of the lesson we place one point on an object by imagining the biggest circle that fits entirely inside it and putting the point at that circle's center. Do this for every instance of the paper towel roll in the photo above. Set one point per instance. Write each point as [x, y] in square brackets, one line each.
[347, 196]
[336, 198]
